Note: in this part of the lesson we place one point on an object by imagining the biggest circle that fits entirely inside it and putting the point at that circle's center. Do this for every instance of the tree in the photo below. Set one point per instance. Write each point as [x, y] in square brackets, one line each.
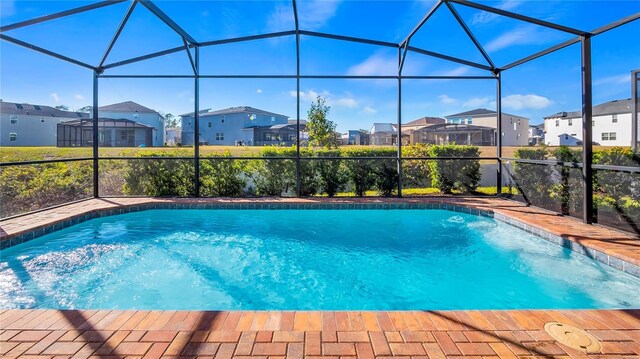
[62, 107]
[170, 120]
[320, 128]
[86, 109]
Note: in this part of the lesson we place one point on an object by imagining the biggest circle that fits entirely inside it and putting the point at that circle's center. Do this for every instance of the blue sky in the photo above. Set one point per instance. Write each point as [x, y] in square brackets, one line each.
[536, 89]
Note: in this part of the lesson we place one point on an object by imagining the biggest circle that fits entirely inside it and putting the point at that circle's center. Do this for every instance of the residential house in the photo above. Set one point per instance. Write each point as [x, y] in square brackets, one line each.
[23, 124]
[135, 112]
[410, 128]
[355, 137]
[611, 123]
[536, 134]
[235, 125]
[383, 134]
[173, 136]
[515, 129]
[111, 133]
[459, 134]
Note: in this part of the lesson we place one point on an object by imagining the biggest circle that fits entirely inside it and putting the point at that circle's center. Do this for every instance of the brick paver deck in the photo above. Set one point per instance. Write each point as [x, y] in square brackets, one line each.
[311, 335]
[274, 334]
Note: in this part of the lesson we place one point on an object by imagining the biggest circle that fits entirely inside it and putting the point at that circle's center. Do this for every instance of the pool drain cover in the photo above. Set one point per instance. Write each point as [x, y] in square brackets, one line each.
[573, 337]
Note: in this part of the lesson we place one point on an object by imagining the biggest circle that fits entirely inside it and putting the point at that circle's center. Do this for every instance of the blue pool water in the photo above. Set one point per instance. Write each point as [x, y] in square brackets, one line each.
[304, 259]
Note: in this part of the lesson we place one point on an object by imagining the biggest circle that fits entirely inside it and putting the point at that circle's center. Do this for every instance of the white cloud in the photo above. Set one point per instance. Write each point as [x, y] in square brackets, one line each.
[486, 17]
[446, 99]
[377, 64]
[312, 15]
[458, 71]
[346, 102]
[315, 14]
[614, 80]
[478, 102]
[531, 101]
[524, 35]
[79, 97]
[369, 110]
[310, 95]
[258, 90]
[55, 97]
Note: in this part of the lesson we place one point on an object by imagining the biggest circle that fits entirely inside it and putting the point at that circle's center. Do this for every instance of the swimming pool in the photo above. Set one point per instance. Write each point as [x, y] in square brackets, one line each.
[304, 259]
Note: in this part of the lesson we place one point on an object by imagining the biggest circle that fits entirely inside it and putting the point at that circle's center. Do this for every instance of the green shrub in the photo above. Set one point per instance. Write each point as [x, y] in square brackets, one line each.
[274, 177]
[449, 175]
[533, 180]
[416, 173]
[613, 183]
[365, 174]
[331, 173]
[568, 187]
[222, 177]
[160, 177]
[32, 187]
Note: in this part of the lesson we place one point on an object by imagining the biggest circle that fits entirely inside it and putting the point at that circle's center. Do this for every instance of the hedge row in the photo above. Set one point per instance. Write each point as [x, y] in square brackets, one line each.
[559, 188]
[27, 188]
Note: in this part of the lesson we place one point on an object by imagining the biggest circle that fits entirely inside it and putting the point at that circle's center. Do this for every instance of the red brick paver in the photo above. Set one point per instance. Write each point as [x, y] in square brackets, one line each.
[481, 334]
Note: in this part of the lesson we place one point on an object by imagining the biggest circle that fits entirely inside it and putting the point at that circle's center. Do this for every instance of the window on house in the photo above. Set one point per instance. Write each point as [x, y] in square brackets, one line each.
[222, 119]
[219, 136]
[614, 118]
[273, 119]
[469, 121]
[189, 123]
[135, 116]
[41, 119]
[13, 119]
[209, 124]
[593, 123]
[37, 107]
[612, 136]
[605, 136]
[13, 136]
[570, 122]
[511, 120]
[566, 137]
[19, 106]
[557, 123]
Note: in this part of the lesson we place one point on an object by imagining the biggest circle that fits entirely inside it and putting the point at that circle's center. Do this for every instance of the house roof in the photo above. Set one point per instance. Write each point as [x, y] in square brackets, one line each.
[424, 121]
[607, 108]
[13, 108]
[241, 109]
[107, 122]
[479, 112]
[445, 127]
[383, 127]
[127, 106]
[190, 114]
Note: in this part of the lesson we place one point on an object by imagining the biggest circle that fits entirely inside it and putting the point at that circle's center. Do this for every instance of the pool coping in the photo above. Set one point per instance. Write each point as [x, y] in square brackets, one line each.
[613, 248]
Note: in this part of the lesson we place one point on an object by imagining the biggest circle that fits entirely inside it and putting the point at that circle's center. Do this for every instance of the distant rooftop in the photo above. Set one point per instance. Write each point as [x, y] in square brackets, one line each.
[127, 106]
[607, 108]
[233, 110]
[424, 121]
[479, 112]
[13, 108]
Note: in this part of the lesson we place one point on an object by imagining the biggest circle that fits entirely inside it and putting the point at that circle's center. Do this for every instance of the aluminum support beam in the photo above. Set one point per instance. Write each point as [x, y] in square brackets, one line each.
[45, 51]
[247, 38]
[191, 61]
[470, 34]
[401, 57]
[143, 57]
[96, 154]
[421, 23]
[118, 32]
[635, 77]
[555, 48]
[449, 58]
[58, 15]
[298, 165]
[587, 132]
[499, 132]
[616, 24]
[512, 15]
[167, 20]
[196, 126]
[348, 38]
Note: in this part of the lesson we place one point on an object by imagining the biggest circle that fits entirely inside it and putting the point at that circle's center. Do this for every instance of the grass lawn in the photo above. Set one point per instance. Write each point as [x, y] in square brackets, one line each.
[16, 154]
